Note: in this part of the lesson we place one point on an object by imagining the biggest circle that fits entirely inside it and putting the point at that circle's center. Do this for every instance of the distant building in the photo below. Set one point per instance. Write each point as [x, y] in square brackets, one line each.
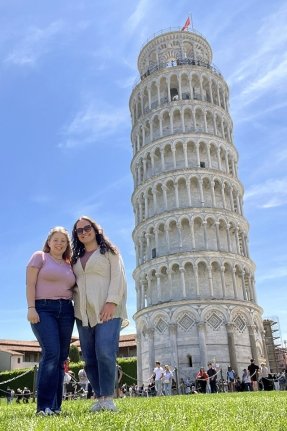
[127, 345]
[16, 354]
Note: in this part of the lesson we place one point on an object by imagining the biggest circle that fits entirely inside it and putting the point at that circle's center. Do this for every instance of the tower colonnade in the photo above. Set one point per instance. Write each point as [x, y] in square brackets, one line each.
[183, 190]
[181, 119]
[170, 86]
[182, 233]
[194, 279]
[171, 155]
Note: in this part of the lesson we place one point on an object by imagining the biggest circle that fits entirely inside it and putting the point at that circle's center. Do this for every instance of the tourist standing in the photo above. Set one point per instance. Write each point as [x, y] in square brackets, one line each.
[264, 372]
[202, 379]
[83, 379]
[157, 376]
[50, 281]
[212, 378]
[167, 380]
[26, 395]
[100, 306]
[253, 370]
[230, 377]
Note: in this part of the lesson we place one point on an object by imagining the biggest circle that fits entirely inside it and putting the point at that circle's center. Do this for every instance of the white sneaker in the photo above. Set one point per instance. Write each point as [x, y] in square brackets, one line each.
[46, 412]
[109, 405]
[97, 407]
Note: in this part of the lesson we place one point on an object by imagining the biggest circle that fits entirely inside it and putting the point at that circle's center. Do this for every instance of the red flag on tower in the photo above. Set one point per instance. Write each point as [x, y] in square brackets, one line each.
[186, 25]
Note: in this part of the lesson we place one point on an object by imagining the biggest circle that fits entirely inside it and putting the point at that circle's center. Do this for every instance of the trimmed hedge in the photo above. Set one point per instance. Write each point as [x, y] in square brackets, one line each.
[17, 382]
[128, 365]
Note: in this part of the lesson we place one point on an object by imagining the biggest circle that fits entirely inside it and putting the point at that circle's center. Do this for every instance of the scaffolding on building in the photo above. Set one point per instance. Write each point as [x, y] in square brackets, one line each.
[275, 351]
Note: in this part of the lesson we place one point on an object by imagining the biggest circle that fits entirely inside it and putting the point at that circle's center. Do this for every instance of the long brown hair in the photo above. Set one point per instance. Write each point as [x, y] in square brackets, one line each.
[68, 252]
[78, 247]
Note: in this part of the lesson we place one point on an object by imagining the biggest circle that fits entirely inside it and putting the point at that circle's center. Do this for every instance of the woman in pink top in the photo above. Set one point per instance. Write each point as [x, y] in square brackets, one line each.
[49, 284]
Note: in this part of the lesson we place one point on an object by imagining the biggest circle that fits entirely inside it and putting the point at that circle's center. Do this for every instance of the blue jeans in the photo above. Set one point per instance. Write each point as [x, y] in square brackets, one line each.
[167, 388]
[100, 346]
[158, 386]
[54, 333]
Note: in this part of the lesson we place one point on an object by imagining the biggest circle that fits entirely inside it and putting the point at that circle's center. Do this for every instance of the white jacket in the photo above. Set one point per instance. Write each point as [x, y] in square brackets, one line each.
[103, 280]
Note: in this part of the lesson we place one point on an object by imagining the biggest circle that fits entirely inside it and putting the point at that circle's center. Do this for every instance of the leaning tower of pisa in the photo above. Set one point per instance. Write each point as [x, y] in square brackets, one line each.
[196, 299]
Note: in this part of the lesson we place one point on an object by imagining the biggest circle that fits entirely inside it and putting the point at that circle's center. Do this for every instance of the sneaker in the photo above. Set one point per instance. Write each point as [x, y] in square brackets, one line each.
[97, 407]
[109, 405]
[57, 412]
[46, 412]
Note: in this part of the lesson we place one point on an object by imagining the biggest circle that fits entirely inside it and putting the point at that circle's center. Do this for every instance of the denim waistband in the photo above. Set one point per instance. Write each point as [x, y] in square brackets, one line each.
[47, 301]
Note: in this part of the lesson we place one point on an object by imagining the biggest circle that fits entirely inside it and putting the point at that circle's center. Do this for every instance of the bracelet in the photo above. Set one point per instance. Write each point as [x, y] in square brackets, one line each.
[31, 307]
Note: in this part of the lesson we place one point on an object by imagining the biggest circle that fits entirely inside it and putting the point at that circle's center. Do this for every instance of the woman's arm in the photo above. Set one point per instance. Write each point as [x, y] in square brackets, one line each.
[31, 280]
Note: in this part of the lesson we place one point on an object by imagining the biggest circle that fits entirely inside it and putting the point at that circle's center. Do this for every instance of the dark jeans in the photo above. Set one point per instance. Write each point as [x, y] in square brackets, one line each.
[54, 333]
[213, 386]
[100, 346]
[202, 386]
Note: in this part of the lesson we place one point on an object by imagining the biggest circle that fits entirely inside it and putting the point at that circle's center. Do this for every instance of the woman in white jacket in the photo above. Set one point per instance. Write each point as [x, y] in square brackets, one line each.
[100, 306]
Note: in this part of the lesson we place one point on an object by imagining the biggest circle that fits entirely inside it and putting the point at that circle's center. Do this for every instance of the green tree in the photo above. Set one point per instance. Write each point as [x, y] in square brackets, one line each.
[74, 354]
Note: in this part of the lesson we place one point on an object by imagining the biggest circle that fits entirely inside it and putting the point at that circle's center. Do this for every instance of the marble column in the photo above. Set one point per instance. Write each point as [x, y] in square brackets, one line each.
[202, 344]
[231, 347]
[173, 344]
[252, 336]
[139, 358]
[151, 349]
[182, 277]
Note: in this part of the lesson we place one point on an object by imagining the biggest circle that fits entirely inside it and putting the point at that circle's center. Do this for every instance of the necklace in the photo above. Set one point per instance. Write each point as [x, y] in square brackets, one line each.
[56, 258]
[91, 251]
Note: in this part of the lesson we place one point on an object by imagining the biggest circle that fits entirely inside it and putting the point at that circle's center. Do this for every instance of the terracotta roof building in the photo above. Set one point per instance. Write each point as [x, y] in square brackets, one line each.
[16, 354]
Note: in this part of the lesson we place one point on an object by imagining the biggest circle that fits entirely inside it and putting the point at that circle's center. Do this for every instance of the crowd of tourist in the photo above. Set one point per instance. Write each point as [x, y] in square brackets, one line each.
[20, 395]
[252, 378]
[162, 382]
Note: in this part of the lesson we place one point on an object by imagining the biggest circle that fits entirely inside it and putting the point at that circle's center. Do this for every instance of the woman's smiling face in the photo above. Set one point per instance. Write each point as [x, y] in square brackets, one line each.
[85, 232]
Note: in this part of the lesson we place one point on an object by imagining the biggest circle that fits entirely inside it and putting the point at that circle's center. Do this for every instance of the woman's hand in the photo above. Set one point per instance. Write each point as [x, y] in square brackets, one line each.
[33, 316]
[108, 311]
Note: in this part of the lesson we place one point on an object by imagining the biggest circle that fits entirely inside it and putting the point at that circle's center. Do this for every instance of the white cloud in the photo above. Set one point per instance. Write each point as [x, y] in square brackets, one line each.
[131, 329]
[94, 203]
[41, 199]
[282, 155]
[138, 15]
[264, 67]
[92, 124]
[259, 112]
[38, 41]
[274, 77]
[272, 193]
[272, 274]
[127, 82]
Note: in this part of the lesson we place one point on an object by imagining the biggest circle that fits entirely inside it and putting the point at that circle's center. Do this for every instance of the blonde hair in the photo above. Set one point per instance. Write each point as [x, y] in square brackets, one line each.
[59, 229]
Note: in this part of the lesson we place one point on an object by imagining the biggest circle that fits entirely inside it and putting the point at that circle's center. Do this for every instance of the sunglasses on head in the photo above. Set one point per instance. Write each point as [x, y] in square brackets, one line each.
[81, 230]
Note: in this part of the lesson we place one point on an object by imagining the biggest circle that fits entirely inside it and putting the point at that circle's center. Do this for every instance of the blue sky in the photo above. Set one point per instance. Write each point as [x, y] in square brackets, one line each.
[66, 73]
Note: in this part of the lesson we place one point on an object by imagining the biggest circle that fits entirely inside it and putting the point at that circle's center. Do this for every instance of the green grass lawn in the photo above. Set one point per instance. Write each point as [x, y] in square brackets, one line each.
[258, 411]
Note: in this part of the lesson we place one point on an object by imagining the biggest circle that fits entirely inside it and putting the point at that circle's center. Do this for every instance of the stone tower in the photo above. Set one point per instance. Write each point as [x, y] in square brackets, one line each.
[195, 288]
